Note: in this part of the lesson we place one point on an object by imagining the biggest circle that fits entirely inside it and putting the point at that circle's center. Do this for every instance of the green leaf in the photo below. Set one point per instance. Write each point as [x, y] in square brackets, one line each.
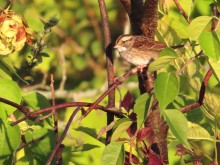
[180, 28]
[91, 132]
[197, 132]
[8, 67]
[198, 25]
[166, 57]
[187, 6]
[121, 129]
[36, 100]
[211, 106]
[85, 147]
[43, 54]
[10, 137]
[10, 91]
[210, 44]
[6, 159]
[42, 148]
[168, 52]
[177, 123]
[167, 34]
[141, 107]
[26, 159]
[120, 121]
[194, 75]
[215, 67]
[4, 72]
[113, 154]
[166, 88]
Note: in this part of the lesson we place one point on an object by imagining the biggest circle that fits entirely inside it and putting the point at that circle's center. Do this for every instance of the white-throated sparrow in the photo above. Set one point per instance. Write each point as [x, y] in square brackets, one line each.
[138, 50]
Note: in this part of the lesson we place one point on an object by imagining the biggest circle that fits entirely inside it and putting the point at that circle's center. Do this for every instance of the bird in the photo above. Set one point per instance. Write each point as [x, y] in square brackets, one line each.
[138, 50]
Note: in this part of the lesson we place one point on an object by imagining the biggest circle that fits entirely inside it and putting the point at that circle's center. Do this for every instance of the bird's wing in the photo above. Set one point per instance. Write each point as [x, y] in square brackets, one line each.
[145, 44]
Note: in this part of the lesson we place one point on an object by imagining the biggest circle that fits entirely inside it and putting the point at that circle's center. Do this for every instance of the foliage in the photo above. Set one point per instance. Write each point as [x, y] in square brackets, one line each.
[68, 44]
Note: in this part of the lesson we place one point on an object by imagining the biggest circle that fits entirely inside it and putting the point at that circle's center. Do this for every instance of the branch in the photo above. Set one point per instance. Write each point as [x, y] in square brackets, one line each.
[201, 94]
[55, 120]
[109, 64]
[112, 87]
[215, 13]
[23, 145]
[74, 104]
[149, 19]
[66, 105]
[134, 10]
[136, 16]
[23, 109]
[63, 136]
[127, 6]
[188, 62]
[181, 10]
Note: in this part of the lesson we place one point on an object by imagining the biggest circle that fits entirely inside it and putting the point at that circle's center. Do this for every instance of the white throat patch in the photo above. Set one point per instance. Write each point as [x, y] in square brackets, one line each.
[122, 49]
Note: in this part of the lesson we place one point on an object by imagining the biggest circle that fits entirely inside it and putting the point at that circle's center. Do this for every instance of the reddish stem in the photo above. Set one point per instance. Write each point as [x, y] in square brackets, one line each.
[109, 64]
[127, 6]
[201, 94]
[63, 135]
[66, 105]
[181, 10]
[23, 109]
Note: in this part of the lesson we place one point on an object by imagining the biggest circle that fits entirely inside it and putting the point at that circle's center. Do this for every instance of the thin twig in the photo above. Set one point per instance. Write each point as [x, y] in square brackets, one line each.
[188, 62]
[53, 104]
[63, 65]
[24, 145]
[201, 94]
[19, 121]
[46, 116]
[55, 119]
[63, 136]
[181, 10]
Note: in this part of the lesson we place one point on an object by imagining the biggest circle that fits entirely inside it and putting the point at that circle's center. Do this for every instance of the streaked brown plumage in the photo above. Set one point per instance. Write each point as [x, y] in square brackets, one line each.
[138, 50]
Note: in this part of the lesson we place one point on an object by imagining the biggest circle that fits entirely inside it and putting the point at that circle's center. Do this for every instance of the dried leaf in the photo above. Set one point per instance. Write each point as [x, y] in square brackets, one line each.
[134, 159]
[144, 133]
[128, 102]
[154, 159]
[106, 128]
[132, 129]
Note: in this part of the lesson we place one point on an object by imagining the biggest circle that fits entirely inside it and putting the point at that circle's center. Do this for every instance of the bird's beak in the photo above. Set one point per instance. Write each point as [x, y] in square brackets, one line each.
[115, 47]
